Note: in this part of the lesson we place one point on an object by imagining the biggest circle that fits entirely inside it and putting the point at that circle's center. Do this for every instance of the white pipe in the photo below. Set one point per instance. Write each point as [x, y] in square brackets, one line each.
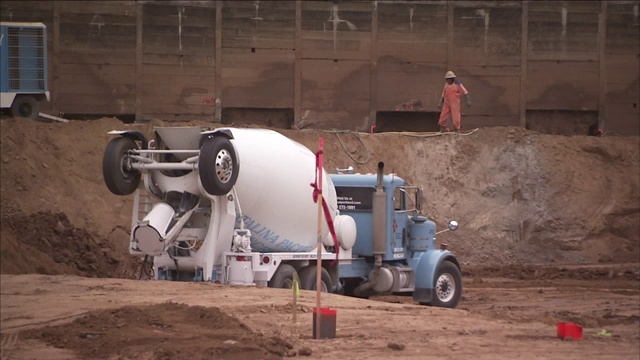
[238, 208]
[167, 151]
[165, 166]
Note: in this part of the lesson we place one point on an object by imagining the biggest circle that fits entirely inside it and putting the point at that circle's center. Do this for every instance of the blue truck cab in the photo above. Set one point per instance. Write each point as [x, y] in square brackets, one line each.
[23, 68]
[395, 251]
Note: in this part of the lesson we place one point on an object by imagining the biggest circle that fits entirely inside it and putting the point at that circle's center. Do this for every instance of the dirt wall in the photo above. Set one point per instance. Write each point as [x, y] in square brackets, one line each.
[519, 196]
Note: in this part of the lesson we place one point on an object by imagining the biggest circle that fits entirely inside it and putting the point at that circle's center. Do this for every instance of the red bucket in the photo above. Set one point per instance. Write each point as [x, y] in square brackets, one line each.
[327, 323]
[569, 331]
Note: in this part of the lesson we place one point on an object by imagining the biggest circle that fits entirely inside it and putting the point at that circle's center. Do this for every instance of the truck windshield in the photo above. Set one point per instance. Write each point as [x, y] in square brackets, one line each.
[408, 198]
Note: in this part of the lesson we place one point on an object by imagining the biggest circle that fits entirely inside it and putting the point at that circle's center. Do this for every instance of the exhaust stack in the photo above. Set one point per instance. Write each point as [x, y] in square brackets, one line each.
[379, 203]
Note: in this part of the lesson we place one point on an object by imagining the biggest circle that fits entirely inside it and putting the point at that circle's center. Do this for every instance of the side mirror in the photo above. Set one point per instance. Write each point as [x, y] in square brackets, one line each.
[452, 226]
[419, 199]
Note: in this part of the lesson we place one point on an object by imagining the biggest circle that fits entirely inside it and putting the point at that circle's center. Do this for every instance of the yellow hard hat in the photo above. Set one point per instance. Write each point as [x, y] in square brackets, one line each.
[449, 75]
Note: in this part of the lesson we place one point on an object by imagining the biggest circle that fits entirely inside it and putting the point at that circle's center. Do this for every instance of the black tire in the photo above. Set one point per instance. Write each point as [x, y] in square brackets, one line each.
[447, 289]
[119, 180]
[308, 276]
[283, 278]
[25, 106]
[218, 165]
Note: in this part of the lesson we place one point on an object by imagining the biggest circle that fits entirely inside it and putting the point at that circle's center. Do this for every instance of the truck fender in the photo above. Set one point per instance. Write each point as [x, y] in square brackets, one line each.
[218, 132]
[426, 270]
[133, 135]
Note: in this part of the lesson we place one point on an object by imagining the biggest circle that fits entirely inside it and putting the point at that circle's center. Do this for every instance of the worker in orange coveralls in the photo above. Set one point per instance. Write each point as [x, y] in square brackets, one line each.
[451, 100]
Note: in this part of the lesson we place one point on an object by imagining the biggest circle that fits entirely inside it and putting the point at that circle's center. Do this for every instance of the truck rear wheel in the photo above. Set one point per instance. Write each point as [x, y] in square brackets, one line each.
[448, 286]
[218, 165]
[283, 278]
[119, 179]
[308, 276]
[25, 106]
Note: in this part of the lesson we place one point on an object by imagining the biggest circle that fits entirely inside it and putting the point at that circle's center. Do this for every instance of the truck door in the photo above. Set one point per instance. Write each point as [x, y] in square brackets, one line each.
[399, 225]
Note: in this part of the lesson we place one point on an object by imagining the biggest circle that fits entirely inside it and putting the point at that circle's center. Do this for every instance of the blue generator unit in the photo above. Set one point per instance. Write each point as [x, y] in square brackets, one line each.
[23, 68]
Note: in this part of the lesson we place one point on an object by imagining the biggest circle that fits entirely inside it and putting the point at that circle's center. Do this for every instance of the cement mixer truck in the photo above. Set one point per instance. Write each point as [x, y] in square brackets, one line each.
[235, 206]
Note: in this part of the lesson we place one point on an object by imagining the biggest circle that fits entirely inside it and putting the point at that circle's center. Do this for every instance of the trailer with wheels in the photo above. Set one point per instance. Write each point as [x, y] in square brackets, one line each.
[23, 68]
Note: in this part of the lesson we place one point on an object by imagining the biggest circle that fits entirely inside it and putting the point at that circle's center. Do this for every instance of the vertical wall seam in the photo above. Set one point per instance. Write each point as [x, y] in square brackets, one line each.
[373, 66]
[138, 78]
[450, 8]
[218, 62]
[602, 53]
[55, 88]
[297, 67]
[524, 52]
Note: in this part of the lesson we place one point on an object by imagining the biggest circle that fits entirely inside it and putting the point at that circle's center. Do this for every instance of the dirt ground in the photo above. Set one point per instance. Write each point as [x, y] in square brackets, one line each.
[549, 231]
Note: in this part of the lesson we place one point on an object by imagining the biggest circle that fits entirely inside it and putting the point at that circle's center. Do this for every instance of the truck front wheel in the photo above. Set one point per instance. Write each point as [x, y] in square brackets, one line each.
[448, 286]
[119, 179]
[218, 165]
[25, 106]
[283, 277]
[308, 278]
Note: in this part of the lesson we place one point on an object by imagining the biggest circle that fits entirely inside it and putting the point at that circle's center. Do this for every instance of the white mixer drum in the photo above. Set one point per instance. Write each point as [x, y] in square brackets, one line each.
[274, 191]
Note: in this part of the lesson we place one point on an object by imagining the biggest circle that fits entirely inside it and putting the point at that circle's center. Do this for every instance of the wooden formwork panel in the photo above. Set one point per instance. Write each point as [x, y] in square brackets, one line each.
[623, 28]
[177, 61]
[27, 11]
[622, 72]
[90, 26]
[622, 87]
[263, 78]
[563, 30]
[413, 32]
[98, 86]
[96, 58]
[260, 25]
[88, 104]
[186, 31]
[164, 87]
[336, 92]
[562, 85]
[622, 99]
[488, 36]
[105, 57]
[332, 30]
[411, 51]
[494, 90]
[99, 7]
[405, 81]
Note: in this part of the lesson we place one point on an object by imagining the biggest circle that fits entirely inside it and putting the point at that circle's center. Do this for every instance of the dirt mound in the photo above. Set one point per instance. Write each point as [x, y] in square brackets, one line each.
[519, 196]
[492, 309]
[174, 331]
[47, 243]
[548, 272]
